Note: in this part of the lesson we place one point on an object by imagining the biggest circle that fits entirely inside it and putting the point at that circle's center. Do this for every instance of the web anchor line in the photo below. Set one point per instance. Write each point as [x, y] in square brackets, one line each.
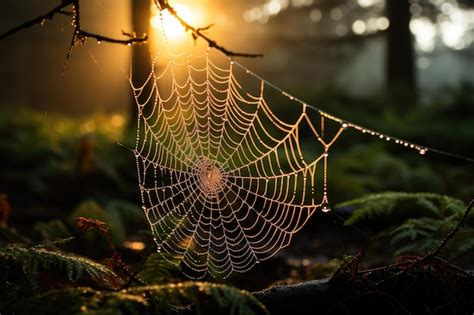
[422, 149]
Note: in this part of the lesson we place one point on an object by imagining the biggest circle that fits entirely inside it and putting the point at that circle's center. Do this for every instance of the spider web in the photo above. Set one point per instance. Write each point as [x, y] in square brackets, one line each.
[226, 179]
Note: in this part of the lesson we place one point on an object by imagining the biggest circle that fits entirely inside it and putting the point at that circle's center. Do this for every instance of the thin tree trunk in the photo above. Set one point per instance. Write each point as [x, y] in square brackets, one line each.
[400, 51]
[141, 59]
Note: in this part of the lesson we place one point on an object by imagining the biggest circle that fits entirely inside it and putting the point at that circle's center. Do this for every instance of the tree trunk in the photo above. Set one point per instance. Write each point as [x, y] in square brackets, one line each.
[400, 51]
[141, 59]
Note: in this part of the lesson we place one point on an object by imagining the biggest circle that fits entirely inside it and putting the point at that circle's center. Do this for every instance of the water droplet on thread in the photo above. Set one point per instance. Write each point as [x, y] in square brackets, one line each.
[325, 207]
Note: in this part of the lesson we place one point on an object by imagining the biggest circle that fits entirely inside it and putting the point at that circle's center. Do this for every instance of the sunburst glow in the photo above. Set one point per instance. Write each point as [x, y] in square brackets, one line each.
[172, 27]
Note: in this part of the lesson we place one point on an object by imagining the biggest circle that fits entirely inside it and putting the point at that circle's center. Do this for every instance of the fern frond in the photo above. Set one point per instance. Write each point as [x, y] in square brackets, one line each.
[33, 260]
[11, 236]
[375, 206]
[51, 230]
[417, 222]
[158, 268]
[463, 242]
[154, 299]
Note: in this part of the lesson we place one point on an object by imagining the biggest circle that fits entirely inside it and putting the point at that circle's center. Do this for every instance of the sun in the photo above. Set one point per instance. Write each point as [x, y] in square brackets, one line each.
[172, 27]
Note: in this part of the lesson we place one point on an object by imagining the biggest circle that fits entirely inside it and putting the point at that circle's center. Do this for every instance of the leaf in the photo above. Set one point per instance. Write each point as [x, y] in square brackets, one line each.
[416, 221]
[33, 260]
[155, 299]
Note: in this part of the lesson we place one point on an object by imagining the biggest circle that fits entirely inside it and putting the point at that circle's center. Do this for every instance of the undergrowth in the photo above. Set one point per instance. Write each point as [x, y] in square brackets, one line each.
[414, 222]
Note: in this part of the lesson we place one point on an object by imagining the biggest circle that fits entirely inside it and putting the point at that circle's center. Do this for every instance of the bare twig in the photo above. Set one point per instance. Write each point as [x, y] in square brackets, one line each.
[439, 248]
[80, 35]
[451, 234]
[433, 253]
[38, 20]
[199, 32]
[352, 266]
[86, 224]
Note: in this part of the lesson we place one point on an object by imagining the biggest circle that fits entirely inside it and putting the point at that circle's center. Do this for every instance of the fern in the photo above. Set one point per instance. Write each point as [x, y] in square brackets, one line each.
[417, 221]
[10, 235]
[51, 230]
[381, 205]
[158, 268]
[33, 260]
[157, 299]
[21, 269]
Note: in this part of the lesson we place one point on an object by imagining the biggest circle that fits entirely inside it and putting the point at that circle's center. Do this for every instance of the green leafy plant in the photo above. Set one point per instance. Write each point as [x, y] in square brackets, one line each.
[51, 230]
[158, 269]
[414, 222]
[42, 279]
[31, 261]
[157, 299]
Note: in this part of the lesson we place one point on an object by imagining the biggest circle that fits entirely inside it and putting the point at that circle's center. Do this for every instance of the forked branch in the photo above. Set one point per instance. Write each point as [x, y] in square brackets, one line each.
[431, 255]
[199, 32]
[80, 35]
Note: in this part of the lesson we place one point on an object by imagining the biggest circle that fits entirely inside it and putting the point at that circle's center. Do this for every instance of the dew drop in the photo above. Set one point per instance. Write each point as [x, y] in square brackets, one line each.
[325, 207]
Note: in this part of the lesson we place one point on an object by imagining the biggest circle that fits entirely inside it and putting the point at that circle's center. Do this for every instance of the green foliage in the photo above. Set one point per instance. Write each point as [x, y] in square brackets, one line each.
[157, 299]
[130, 214]
[11, 236]
[325, 270]
[364, 169]
[414, 222]
[51, 230]
[44, 154]
[158, 268]
[21, 288]
[31, 261]
[321, 271]
[91, 209]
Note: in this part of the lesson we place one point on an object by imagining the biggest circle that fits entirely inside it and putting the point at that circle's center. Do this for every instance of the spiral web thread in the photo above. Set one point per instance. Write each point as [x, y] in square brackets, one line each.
[225, 181]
